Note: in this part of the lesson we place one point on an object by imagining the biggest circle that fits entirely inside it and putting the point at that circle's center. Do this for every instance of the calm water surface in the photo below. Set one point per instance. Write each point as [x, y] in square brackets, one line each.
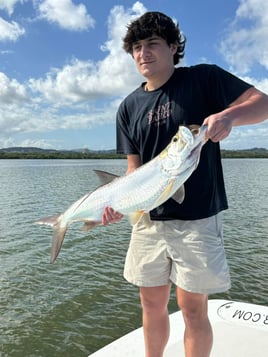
[82, 302]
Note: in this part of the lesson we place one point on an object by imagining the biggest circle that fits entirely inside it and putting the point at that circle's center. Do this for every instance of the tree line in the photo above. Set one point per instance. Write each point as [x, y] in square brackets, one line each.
[252, 153]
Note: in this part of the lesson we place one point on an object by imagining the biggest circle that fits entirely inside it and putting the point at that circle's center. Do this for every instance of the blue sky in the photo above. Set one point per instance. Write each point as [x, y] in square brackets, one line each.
[63, 72]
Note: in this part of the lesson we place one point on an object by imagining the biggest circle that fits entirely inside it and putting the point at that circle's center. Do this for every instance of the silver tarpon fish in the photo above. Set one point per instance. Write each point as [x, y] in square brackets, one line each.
[140, 191]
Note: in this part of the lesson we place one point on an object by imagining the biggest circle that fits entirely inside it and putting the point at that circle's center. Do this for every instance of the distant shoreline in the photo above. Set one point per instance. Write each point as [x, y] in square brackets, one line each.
[85, 155]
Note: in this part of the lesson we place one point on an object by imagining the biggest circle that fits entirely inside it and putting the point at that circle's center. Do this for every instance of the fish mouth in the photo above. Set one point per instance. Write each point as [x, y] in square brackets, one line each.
[199, 144]
[197, 148]
[199, 135]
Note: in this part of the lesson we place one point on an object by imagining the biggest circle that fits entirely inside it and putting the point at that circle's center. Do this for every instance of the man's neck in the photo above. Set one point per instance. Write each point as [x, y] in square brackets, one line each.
[156, 82]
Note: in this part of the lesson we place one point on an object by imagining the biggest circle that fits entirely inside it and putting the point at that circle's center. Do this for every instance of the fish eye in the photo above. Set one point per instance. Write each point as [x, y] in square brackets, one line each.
[175, 139]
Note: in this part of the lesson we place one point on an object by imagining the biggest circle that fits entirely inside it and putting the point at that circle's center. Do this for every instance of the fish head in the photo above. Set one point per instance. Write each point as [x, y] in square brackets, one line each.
[184, 148]
[185, 140]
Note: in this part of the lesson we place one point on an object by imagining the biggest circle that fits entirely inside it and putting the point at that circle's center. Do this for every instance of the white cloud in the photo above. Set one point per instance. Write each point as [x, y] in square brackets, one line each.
[79, 95]
[8, 5]
[67, 84]
[80, 80]
[66, 14]
[247, 137]
[6, 52]
[39, 143]
[261, 84]
[11, 91]
[245, 44]
[10, 31]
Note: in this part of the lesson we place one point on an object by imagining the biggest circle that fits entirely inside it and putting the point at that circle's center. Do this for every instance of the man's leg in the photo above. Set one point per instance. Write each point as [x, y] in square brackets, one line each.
[198, 336]
[154, 303]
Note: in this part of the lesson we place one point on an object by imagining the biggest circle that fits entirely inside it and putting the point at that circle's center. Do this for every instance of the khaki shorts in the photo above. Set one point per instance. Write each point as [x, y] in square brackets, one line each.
[188, 253]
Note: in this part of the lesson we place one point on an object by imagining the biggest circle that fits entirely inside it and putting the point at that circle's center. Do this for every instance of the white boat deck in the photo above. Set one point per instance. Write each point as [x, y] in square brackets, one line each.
[240, 330]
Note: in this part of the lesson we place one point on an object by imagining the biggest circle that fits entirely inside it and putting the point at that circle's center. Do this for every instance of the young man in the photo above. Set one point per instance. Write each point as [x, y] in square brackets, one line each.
[183, 243]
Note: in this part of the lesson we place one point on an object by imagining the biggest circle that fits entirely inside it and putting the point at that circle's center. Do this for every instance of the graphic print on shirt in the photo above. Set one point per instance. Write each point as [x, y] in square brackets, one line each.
[159, 115]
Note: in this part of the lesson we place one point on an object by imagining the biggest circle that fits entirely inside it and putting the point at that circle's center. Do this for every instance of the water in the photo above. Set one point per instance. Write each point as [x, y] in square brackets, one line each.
[82, 302]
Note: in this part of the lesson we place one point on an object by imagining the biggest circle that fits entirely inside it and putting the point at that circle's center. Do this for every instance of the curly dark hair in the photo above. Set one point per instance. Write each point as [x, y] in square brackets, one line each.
[155, 23]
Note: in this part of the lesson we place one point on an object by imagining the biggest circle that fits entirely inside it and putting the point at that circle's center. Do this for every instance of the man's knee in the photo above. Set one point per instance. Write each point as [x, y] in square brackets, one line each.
[155, 298]
[193, 306]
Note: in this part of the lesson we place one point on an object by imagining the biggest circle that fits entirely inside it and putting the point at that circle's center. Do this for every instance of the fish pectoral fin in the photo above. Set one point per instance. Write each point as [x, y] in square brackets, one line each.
[179, 195]
[164, 195]
[135, 217]
[105, 177]
[90, 225]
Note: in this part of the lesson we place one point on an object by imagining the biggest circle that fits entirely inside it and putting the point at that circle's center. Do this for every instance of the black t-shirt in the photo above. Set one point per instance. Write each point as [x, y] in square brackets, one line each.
[146, 122]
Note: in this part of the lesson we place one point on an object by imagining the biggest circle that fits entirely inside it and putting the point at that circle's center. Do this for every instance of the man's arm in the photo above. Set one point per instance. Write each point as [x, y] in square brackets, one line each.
[250, 108]
[133, 162]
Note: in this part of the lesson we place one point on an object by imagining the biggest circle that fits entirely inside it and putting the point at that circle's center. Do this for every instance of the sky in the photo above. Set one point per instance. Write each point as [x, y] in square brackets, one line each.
[63, 72]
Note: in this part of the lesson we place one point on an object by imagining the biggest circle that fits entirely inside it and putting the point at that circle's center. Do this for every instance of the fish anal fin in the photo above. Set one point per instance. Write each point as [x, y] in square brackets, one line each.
[105, 177]
[179, 195]
[88, 225]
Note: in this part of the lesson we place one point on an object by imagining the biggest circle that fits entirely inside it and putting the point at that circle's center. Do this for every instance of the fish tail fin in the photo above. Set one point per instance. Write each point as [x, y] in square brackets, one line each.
[58, 235]
[57, 240]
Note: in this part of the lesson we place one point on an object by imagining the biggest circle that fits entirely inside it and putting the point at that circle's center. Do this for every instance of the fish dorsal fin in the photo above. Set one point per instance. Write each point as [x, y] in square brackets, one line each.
[105, 177]
[179, 195]
[164, 195]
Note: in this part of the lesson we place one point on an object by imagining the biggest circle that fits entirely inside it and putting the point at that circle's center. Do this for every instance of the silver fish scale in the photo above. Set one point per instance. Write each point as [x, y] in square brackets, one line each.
[143, 198]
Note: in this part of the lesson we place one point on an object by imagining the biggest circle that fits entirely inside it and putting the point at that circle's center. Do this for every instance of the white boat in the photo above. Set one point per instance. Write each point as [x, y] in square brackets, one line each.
[240, 330]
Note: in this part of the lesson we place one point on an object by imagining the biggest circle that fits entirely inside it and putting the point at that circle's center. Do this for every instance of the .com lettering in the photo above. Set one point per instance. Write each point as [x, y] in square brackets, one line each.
[251, 316]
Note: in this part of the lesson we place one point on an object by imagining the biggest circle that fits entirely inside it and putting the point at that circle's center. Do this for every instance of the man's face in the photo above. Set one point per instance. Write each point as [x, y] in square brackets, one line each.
[153, 55]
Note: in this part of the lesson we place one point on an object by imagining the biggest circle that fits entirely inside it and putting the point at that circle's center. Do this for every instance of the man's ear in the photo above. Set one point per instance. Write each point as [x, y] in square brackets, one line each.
[174, 48]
